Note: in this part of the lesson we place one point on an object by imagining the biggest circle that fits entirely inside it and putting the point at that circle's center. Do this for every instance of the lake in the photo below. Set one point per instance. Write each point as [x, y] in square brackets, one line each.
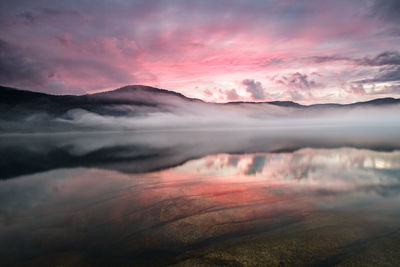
[218, 198]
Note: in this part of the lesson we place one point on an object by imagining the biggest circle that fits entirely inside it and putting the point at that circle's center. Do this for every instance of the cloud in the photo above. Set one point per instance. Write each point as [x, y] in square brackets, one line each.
[232, 94]
[382, 59]
[255, 89]
[208, 93]
[91, 70]
[297, 95]
[388, 89]
[356, 89]
[385, 58]
[385, 74]
[20, 69]
[298, 81]
[387, 10]
[64, 39]
[41, 14]
[272, 62]
[23, 69]
[389, 72]
[361, 89]
[299, 86]
[207, 43]
[327, 59]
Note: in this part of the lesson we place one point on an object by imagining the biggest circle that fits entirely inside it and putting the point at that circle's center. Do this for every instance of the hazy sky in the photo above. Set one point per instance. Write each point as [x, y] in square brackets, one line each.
[306, 51]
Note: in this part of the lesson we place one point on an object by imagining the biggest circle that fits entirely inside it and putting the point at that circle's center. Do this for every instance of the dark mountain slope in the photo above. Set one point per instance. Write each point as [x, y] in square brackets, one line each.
[275, 103]
[26, 111]
[135, 95]
[15, 103]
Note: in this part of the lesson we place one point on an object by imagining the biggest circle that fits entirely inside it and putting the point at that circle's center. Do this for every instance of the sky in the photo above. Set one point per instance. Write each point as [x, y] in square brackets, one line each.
[216, 50]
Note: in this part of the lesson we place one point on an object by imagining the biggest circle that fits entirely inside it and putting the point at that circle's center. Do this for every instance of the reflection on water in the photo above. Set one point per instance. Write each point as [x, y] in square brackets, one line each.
[308, 206]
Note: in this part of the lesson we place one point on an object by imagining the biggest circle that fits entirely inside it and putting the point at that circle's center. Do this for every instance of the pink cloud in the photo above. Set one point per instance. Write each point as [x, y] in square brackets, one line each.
[179, 45]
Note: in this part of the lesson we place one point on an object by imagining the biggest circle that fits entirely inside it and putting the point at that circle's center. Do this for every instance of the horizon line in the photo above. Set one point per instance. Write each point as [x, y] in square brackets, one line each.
[198, 99]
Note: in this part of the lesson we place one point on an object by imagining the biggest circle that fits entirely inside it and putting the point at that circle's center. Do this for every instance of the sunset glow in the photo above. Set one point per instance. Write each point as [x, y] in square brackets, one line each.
[219, 51]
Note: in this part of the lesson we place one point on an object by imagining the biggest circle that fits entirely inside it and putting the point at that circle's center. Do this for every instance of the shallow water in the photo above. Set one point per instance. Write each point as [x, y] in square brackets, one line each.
[184, 199]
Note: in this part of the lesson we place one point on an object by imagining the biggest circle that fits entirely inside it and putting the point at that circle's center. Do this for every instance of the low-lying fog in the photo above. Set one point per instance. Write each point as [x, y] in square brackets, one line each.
[138, 108]
[133, 152]
[200, 116]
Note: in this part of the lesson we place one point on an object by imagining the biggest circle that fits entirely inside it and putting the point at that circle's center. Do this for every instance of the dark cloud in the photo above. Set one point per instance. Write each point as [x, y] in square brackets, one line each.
[28, 17]
[389, 61]
[299, 86]
[58, 12]
[327, 59]
[231, 94]
[385, 58]
[91, 69]
[386, 74]
[298, 81]
[64, 40]
[124, 41]
[255, 89]
[38, 14]
[273, 62]
[382, 59]
[388, 10]
[19, 69]
[389, 71]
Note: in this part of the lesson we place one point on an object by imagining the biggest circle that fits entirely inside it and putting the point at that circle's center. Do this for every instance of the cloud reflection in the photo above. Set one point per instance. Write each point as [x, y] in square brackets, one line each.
[215, 197]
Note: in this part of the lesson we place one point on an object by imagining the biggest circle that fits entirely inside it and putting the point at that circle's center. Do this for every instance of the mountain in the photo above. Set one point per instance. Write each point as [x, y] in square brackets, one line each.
[146, 108]
[374, 102]
[146, 92]
[275, 103]
[135, 95]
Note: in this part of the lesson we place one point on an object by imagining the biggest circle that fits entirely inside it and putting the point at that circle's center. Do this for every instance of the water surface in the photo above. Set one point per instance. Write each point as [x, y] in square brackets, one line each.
[199, 200]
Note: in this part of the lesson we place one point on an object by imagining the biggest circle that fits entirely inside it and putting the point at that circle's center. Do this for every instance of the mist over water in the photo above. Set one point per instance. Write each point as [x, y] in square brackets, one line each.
[199, 133]
[147, 151]
[213, 116]
[260, 196]
[140, 109]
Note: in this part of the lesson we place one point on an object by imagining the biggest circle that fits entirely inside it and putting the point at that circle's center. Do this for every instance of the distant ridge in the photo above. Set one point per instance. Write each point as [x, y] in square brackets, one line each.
[275, 103]
[374, 102]
[24, 111]
[14, 95]
[135, 88]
